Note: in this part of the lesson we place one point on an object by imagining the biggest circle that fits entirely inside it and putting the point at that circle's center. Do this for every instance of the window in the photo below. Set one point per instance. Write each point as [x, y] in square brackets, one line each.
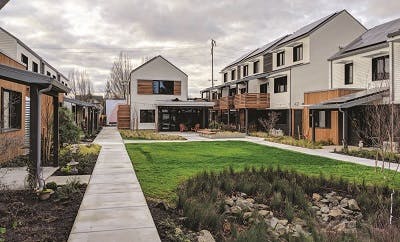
[280, 84]
[380, 68]
[322, 119]
[242, 90]
[163, 87]
[348, 73]
[245, 70]
[280, 58]
[264, 88]
[282, 116]
[232, 92]
[48, 73]
[225, 77]
[11, 109]
[35, 67]
[147, 116]
[24, 59]
[256, 66]
[233, 74]
[297, 53]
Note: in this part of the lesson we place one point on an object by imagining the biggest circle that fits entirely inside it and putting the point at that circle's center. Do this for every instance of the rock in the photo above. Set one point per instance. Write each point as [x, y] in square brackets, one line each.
[335, 212]
[325, 209]
[299, 221]
[178, 231]
[250, 200]
[273, 222]
[340, 227]
[226, 226]
[284, 222]
[315, 208]
[346, 211]
[331, 194]
[235, 210]
[318, 213]
[261, 206]
[229, 201]
[264, 213]
[324, 200]
[247, 215]
[353, 205]
[325, 217]
[299, 230]
[280, 229]
[344, 202]
[242, 194]
[351, 224]
[205, 236]
[162, 206]
[316, 197]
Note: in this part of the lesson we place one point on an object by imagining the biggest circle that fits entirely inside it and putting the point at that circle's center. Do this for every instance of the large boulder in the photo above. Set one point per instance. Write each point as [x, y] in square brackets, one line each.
[205, 236]
[353, 205]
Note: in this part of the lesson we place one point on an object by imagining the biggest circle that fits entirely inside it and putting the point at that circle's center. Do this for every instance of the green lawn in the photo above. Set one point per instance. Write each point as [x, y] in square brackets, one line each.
[160, 167]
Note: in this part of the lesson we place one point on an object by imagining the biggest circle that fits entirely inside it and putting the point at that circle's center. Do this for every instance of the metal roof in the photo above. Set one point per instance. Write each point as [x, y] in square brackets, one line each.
[151, 60]
[31, 78]
[354, 99]
[172, 103]
[79, 102]
[376, 35]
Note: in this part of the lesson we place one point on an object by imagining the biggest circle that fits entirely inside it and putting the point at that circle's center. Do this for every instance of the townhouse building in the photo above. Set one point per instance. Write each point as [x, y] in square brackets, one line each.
[159, 100]
[276, 76]
[362, 73]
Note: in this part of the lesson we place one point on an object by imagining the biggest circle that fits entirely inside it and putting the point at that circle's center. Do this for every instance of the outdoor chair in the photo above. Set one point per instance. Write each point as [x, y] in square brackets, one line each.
[196, 127]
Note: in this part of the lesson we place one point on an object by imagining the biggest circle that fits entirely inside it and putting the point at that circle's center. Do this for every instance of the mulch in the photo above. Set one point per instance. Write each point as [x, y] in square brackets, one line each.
[26, 218]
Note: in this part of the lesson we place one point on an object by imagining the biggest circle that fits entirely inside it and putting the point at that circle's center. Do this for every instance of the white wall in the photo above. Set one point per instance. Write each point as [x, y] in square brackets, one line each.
[31, 57]
[362, 70]
[157, 69]
[250, 63]
[8, 45]
[289, 54]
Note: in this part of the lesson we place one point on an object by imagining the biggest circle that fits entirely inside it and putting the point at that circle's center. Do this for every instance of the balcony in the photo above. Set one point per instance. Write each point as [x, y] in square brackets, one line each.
[226, 103]
[252, 100]
[216, 104]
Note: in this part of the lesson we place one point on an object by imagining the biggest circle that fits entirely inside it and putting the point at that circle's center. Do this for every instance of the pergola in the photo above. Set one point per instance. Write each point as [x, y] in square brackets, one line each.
[38, 84]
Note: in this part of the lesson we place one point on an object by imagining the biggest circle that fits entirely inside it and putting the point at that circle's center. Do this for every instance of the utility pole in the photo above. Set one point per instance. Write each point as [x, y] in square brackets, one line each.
[213, 44]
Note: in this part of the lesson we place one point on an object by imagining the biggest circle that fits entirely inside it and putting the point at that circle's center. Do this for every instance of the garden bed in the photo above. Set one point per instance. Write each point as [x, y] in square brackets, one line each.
[222, 134]
[370, 154]
[276, 205]
[148, 135]
[23, 217]
[288, 140]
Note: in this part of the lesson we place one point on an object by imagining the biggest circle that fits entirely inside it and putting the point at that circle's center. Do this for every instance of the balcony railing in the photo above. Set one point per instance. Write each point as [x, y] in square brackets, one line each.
[216, 104]
[226, 103]
[252, 100]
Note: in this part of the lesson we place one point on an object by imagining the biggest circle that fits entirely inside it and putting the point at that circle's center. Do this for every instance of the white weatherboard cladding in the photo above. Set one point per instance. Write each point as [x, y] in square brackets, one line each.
[157, 69]
[362, 70]
[289, 54]
[396, 58]
[250, 63]
[8, 45]
[31, 57]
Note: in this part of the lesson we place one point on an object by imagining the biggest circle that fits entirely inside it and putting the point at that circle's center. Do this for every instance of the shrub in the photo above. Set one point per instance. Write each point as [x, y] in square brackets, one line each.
[51, 185]
[68, 190]
[69, 132]
[148, 135]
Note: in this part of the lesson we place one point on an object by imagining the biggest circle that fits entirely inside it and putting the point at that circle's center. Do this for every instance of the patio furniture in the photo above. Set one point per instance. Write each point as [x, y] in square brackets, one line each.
[196, 127]
[182, 128]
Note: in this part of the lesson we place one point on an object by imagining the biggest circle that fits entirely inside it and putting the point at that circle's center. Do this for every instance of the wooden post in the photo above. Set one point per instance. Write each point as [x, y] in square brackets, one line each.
[56, 127]
[247, 120]
[313, 124]
[345, 127]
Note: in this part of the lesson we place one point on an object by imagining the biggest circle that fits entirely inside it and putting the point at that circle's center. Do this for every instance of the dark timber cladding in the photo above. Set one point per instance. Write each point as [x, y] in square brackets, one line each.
[268, 62]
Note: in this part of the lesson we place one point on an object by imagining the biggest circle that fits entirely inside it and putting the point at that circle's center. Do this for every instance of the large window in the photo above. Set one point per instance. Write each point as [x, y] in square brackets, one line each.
[256, 67]
[280, 58]
[11, 110]
[163, 87]
[348, 73]
[264, 88]
[24, 59]
[233, 74]
[297, 53]
[322, 119]
[225, 77]
[232, 92]
[147, 116]
[380, 68]
[280, 84]
[245, 70]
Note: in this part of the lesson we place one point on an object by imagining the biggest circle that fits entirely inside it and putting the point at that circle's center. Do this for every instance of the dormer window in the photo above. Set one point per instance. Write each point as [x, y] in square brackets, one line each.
[233, 74]
[380, 68]
[24, 59]
[225, 77]
[35, 67]
[280, 58]
[298, 53]
[245, 70]
[348, 73]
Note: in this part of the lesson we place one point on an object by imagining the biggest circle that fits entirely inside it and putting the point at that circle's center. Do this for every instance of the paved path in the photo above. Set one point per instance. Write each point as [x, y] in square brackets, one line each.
[114, 207]
[191, 136]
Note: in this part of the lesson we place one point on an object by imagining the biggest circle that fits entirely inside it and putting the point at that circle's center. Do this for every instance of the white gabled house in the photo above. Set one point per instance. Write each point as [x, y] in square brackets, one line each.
[159, 98]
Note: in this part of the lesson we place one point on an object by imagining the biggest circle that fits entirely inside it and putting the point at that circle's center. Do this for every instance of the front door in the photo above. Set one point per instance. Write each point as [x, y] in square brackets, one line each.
[298, 123]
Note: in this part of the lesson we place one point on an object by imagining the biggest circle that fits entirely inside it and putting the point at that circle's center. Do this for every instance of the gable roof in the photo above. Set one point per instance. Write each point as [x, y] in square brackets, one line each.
[151, 60]
[374, 36]
[255, 52]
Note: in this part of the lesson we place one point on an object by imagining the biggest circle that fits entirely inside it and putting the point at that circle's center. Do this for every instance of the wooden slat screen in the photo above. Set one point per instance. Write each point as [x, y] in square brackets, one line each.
[177, 88]
[123, 116]
[268, 62]
[145, 87]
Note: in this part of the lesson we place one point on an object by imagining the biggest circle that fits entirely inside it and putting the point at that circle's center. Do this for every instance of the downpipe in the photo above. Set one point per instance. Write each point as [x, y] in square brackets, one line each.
[391, 207]
[39, 172]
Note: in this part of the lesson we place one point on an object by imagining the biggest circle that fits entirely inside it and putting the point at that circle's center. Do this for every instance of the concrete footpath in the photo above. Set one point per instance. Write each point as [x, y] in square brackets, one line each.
[114, 207]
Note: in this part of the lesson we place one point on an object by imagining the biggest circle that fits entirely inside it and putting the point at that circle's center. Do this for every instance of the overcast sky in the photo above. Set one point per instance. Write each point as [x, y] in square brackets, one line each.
[89, 35]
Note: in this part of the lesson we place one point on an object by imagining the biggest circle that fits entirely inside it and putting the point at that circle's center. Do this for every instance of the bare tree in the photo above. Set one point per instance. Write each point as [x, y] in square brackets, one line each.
[117, 84]
[81, 85]
[269, 123]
